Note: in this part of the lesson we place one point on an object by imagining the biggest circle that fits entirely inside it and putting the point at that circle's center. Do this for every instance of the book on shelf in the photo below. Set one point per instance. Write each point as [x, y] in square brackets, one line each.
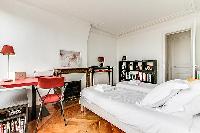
[1, 128]
[144, 77]
[149, 78]
[198, 74]
[140, 76]
[130, 67]
[17, 125]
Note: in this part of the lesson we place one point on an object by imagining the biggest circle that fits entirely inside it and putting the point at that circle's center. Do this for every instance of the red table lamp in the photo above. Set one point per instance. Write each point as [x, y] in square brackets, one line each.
[8, 50]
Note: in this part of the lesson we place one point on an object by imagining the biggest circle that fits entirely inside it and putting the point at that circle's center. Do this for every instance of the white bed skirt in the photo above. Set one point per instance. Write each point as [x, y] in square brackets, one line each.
[109, 117]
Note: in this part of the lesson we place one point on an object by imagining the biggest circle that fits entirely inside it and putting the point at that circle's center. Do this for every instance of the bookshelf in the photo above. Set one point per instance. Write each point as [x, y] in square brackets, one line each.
[14, 119]
[144, 70]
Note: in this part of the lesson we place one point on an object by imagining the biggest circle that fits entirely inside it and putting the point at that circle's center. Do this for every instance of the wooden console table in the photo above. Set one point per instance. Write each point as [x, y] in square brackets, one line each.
[60, 71]
[108, 69]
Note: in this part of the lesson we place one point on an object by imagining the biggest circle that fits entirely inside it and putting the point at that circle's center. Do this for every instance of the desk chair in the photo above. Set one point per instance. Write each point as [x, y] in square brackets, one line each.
[50, 83]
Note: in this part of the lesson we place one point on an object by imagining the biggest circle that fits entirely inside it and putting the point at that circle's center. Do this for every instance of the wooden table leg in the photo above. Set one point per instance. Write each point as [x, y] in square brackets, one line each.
[109, 76]
[33, 112]
[112, 77]
[87, 79]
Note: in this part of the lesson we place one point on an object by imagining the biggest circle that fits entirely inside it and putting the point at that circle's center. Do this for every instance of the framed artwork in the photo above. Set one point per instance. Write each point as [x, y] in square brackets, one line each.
[70, 58]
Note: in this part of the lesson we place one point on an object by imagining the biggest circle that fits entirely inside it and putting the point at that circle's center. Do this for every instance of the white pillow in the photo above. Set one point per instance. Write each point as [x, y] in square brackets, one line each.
[148, 85]
[134, 82]
[163, 92]
[163, 101]
[182, 101]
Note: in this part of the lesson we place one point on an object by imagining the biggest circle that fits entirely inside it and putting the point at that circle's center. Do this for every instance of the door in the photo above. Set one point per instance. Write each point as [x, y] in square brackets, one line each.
[179, 56]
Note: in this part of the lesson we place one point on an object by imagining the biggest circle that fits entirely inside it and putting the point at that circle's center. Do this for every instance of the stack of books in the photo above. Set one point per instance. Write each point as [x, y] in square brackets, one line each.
[13, 126]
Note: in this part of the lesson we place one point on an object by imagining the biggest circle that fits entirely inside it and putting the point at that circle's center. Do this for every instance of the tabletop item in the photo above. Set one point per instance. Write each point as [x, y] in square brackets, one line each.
[8, 50]
[123, 58]
[101, 61]
[20, 75]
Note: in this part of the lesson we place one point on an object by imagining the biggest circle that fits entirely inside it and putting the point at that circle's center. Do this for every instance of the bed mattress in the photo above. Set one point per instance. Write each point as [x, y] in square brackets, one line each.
[109, 117]
[121, 104]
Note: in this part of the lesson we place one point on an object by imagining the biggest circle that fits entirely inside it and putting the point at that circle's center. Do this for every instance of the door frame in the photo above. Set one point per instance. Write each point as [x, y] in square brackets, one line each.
[193, 45]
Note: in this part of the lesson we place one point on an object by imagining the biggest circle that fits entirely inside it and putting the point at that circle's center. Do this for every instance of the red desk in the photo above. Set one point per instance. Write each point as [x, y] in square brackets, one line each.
[22, 83]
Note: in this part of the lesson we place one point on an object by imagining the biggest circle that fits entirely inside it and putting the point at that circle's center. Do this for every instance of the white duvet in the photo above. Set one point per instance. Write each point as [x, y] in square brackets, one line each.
[121, 103]
[120, 95]
[145, 87]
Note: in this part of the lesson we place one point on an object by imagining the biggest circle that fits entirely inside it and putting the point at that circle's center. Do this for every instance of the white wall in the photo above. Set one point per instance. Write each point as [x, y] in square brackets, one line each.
[102, 44]
[197, 53]
[37, 37]
[148, 43]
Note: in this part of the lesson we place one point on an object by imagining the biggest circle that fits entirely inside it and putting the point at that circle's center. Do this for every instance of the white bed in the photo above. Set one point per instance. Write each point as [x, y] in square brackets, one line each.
[142, 85]
[119, 108]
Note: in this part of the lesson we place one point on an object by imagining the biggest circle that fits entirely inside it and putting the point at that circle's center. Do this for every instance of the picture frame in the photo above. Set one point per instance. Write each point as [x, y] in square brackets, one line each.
[123, 58]
[70, 59]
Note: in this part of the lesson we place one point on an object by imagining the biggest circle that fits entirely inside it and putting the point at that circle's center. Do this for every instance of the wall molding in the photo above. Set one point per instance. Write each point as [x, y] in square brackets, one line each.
[59, 13]
[158, 21]
[193, 9]
[100, 31]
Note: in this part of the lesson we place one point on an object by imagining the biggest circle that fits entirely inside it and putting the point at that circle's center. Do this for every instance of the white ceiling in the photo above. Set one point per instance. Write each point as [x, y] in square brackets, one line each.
[116, 16]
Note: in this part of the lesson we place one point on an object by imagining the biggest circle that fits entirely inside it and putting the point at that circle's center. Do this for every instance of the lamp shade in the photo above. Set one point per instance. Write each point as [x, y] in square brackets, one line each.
[7, 50]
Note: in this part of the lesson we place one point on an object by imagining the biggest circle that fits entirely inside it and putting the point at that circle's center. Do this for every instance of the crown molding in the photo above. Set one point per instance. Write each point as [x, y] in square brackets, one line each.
[61, 14]
[157, 21]
[95, 29]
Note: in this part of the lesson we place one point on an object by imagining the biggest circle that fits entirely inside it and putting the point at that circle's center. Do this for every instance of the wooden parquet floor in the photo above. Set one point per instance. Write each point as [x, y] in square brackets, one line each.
[78, 122]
